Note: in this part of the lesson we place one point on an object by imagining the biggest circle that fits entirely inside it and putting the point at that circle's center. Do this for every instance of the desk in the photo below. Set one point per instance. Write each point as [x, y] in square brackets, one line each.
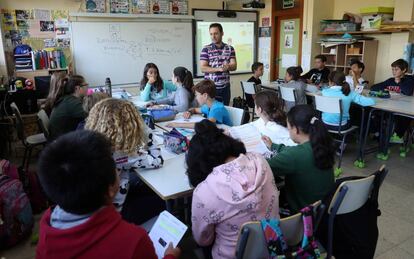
[311, 90]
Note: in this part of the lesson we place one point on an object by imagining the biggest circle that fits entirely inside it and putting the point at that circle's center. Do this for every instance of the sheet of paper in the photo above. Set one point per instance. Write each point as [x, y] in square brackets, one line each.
[288, 60]
[251, 137]
[166, 229]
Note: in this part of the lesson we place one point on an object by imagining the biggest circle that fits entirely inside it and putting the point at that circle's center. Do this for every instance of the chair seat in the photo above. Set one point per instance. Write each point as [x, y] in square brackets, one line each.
[37, 139]
[344, 131]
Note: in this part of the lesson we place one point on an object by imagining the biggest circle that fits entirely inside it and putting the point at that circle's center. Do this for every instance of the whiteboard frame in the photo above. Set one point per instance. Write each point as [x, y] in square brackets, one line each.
[114, 17]
[206, 14]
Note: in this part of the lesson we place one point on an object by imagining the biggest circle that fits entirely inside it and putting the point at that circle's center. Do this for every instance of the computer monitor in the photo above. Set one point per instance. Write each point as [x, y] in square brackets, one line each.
[42, 84]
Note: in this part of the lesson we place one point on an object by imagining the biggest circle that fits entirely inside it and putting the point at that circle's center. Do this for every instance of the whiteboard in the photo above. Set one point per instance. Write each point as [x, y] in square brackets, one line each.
[120, 49]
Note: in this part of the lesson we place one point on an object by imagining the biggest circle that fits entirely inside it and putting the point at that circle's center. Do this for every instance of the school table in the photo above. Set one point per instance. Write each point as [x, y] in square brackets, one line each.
[397, 105]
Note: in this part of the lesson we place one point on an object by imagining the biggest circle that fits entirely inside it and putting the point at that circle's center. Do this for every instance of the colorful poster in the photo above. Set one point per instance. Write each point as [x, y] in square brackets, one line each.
[179, 7]
[289, 41]
[9, 20]
[160, 7]
[47, 26]
[95, 6]
[63, 43]
[289, 26]
[265, 21]
[119, 6]
[60, 14]
[23, 15]
[140, 6]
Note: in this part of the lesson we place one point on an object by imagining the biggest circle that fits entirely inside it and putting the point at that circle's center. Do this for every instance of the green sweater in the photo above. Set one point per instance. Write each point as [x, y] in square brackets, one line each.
[304, 182]
[66, 116]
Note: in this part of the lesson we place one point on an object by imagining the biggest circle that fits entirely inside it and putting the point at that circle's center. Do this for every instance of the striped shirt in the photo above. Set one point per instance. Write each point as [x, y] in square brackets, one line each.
[217, 57]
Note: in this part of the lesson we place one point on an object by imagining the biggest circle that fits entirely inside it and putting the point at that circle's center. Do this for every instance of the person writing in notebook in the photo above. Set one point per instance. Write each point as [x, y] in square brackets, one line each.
[216, 61]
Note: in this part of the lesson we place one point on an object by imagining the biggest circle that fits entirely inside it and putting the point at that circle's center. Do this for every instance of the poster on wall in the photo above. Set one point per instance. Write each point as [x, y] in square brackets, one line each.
[289, 26]
[264, 31]
[179, 7]
[95, 6]
[288, 4]
[265, 21]
[140, 6]
[119, 6]
[288, 41]
[9, 20]
[41, 14]
[160, 6]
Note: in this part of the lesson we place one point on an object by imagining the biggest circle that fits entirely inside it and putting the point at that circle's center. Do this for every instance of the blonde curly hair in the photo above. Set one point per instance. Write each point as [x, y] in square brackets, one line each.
[120, 122]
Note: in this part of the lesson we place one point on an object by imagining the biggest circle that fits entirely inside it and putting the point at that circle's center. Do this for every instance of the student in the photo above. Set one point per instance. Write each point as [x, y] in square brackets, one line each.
[399, 83]
[272, 118]
[232, 187]
[55, 91]
[215, 111]
[68, 111]
[355, 77]
[88, 102]
[183, 97]
[257, 69]
[292, 81]
[307, 167]
[318, 74]
[152, 85]
[122, 124]
[77, 172]
[340, 88]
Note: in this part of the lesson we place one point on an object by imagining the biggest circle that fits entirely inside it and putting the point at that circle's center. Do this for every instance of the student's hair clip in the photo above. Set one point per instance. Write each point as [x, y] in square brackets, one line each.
[312, 121]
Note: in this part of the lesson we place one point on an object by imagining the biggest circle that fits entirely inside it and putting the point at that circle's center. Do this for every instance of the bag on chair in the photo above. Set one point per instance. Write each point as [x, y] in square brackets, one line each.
[240, 103]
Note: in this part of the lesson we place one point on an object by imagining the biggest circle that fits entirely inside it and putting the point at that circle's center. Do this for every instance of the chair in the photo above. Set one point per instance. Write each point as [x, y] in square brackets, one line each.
[350, 196]
[28, 142]
[249, 88]
[43, 121]
[252, 243]
[236, 115]
[287, 94]
[334, 105]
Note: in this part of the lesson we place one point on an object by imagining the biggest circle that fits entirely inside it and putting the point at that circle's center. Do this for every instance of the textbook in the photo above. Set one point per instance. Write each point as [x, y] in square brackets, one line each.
[167, 229]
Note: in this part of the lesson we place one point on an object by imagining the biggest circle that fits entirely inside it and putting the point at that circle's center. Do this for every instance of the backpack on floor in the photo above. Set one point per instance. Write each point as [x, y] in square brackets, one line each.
[16, 218]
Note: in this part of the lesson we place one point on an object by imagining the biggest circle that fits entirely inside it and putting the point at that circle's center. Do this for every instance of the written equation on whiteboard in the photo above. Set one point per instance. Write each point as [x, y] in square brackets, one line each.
[155, 42]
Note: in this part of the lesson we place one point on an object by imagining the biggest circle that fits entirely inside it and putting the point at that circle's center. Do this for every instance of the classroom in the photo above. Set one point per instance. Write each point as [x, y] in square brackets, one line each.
[192, 129]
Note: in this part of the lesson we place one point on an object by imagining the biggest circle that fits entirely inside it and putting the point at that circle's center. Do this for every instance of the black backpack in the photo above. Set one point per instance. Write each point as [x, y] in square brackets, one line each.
[240, 103]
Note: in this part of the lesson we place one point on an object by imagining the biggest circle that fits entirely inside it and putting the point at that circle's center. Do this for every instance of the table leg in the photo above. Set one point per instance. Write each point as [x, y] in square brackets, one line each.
[169, 205]
[359, 162]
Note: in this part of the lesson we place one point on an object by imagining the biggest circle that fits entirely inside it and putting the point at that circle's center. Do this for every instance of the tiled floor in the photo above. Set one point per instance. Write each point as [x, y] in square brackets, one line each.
[396, 224]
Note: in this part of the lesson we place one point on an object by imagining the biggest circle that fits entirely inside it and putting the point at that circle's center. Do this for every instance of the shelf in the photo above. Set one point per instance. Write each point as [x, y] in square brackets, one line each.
[328, 54]
[354, 54]
[364, 32]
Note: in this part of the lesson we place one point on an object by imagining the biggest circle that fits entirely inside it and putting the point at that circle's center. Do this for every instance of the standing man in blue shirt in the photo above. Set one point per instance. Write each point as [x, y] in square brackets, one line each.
[216, 61]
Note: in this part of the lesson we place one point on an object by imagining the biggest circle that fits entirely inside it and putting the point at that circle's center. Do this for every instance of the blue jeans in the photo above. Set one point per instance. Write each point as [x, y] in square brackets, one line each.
[223, 94]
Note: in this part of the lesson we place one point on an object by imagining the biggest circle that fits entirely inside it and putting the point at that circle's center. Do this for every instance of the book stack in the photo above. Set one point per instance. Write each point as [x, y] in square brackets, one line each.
[23, 62]
[49, 59]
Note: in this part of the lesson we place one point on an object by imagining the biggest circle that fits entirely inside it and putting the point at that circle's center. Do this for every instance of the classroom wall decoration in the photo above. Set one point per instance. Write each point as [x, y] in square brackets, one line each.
[95, 6]
[140, 6]
[177, 7]
[119, 6]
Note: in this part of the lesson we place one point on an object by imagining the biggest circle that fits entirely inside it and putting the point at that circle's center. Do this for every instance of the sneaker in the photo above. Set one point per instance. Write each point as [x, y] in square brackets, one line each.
[395, 139]
[338, 151]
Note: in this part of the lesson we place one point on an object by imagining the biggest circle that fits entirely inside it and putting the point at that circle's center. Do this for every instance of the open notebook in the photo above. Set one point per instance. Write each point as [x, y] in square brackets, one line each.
[251, 137]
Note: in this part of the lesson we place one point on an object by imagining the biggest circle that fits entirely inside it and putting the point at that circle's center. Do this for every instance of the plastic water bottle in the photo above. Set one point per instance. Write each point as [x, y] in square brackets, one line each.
[108, 86]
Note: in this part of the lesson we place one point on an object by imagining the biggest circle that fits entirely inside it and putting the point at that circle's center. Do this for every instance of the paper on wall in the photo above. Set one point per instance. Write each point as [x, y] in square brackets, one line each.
[289, 60]
[167, 229]
[41, 14]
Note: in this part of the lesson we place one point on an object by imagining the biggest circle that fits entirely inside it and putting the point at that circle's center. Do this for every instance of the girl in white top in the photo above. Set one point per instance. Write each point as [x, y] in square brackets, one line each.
[272, 118]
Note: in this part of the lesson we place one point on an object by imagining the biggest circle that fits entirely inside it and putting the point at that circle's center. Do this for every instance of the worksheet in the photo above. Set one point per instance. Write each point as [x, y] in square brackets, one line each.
[167, 229]
[251, 137]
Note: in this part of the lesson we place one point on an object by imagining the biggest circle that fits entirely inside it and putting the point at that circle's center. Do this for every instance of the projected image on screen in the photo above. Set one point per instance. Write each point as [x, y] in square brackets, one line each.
[240, 35]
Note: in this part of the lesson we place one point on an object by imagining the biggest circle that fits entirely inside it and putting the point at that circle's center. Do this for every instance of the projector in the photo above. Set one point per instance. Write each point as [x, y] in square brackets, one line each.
[255, 4]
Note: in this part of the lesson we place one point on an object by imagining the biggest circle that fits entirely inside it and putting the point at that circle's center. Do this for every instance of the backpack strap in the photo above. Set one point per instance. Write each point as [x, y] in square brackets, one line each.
[276, 244]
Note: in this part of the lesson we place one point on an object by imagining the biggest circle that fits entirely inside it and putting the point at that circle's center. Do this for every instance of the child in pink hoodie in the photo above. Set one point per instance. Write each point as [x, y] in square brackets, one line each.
[232, 187]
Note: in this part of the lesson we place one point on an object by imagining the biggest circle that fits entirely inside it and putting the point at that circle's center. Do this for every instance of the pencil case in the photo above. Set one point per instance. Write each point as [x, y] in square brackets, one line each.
[175, 142]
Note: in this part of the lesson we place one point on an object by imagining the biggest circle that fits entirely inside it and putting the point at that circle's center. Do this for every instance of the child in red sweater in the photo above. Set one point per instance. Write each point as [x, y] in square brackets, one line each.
[77, 172]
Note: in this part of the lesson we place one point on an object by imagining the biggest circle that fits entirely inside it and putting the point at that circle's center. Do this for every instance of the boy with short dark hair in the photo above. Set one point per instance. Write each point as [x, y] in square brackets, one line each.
[77, 172]
[354, 79]
[257, 69]
[399, 83]
[318, 74]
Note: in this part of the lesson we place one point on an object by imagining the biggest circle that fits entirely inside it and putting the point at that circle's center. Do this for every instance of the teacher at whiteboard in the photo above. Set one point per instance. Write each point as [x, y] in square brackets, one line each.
[216, 61]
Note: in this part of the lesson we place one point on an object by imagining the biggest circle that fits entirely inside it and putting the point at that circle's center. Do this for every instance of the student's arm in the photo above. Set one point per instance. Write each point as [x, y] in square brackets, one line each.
[203, 231]
[362, 100]
[284, 161]
[145, 94]
[181, 100]
[145, 248]
[169, 86]
[216, 115]
[307, 75]
[380, 86]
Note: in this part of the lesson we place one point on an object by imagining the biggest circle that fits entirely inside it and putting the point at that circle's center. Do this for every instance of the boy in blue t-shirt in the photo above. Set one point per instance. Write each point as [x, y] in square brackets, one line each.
[213, 110]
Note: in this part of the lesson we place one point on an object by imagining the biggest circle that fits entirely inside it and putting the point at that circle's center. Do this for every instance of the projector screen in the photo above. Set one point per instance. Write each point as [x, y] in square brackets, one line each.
[240, 35]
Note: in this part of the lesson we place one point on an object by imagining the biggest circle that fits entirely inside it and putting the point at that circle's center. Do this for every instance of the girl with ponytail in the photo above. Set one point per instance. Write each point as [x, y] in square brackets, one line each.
[183, 97]
[292, 81]
[340, 88]
[272, 118]
[307, 167]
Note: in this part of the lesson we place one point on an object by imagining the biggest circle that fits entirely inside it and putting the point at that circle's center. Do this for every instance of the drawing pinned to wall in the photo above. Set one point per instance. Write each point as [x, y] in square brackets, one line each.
[41, 14]
[160, 6]
[95, 6]
[119, 6]
[265, 21]
[179, 7]
[47, 26]
[49, 43]
[288, 41]
[140, 6]
[289, 26]
[9, 20]
[23, 15]
[59, 14]
[264, 32]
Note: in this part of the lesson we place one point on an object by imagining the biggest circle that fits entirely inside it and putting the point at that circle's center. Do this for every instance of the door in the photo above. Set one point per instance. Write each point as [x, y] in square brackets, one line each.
[289, 44]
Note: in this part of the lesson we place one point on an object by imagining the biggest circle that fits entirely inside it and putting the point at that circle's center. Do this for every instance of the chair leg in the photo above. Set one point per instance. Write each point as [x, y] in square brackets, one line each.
[29, 156]
[26, 149]
[342, 147]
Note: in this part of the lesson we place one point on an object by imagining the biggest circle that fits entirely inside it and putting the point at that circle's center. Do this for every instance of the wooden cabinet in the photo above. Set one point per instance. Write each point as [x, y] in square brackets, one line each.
[340, 56]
